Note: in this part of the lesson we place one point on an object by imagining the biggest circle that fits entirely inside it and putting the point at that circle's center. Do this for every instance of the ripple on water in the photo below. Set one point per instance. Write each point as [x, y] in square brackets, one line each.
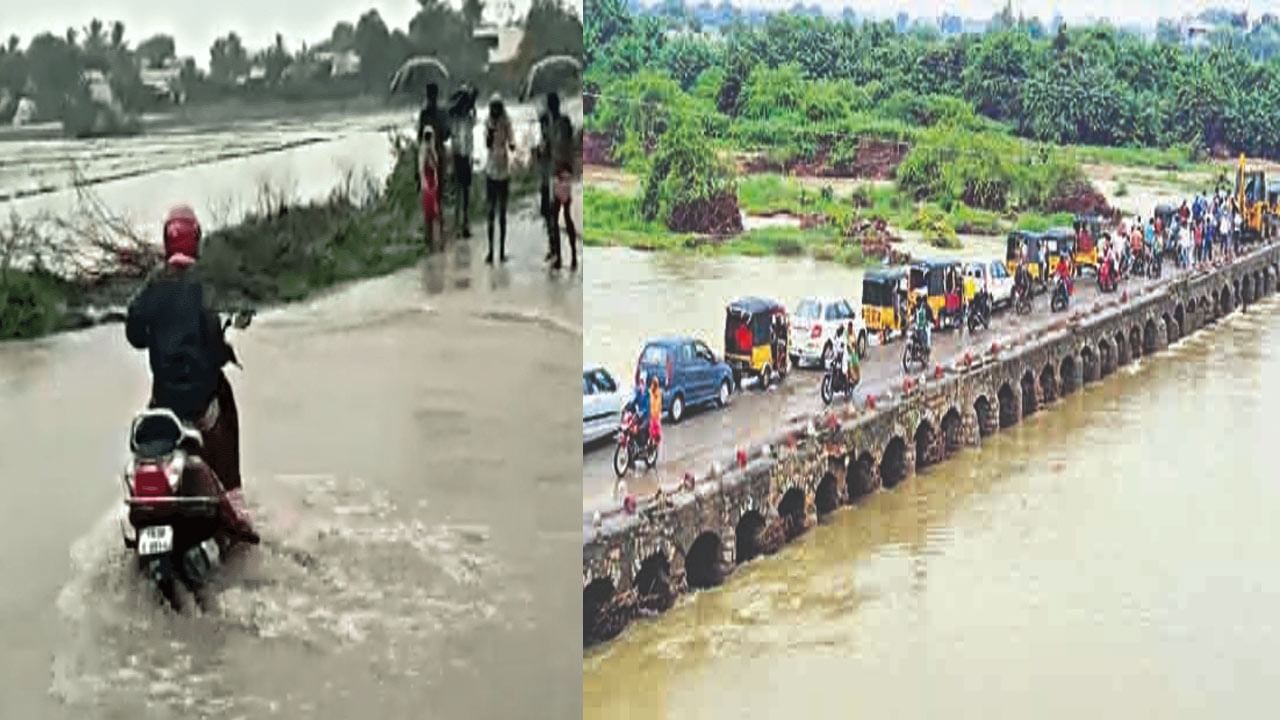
[341, 569]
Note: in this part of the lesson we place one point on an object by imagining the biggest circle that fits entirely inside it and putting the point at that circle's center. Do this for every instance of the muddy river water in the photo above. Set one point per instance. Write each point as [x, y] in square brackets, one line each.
[1112, 557]
[412, 465]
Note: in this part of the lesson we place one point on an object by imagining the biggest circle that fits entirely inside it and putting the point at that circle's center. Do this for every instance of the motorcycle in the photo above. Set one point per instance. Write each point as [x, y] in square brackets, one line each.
[1107, 277]
[834, 380]
[174, 520]
[1058, 301]
[629, 444]
[1153, 267]
[1022, 300]
[915, 351]
[980, 311]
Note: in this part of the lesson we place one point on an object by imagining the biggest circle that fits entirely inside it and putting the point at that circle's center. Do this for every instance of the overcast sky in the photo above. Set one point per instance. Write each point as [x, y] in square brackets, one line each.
[195, 24]
[1120, 12]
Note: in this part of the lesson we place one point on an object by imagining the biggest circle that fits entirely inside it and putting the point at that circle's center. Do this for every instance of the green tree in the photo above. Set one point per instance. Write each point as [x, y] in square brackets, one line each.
[54, 69]
[228, 59]
[372, 42]
[994, 75]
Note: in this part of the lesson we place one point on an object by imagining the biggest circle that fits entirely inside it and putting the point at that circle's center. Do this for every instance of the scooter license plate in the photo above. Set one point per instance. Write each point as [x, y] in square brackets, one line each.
[155, 540]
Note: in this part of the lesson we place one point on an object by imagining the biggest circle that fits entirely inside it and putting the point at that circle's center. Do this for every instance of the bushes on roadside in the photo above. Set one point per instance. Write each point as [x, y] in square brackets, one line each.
[30, 304]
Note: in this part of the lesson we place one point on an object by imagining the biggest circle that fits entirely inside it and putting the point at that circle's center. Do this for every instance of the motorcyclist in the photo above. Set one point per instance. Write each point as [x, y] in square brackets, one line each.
[846, 356]
[1022, 276]
[171, 319]
[640, 406]
[922, 329]
[1064, 273]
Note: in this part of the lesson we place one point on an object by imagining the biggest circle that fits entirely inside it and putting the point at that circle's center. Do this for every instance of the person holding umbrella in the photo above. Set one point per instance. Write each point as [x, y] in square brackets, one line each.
[562, 158]
[463, 120]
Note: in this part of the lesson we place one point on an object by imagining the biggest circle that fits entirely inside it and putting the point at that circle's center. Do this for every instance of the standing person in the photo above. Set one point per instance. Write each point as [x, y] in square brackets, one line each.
[655, 411]
[429, 181]
[462, 128]
[1224, 233]
[499, 139]
[1209, 229]
[546, 127]
[563, 156]
[432, 114]
[1237, 228]
[1198, 235]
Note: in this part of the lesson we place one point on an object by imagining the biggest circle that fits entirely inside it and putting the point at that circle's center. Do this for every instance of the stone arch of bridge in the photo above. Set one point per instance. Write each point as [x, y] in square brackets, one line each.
[1048, 383]
[748, 536]
[1067, 372]
[703, 567]
[987, 423]
[1029, 396]
[893, 462]
[826, 496]
[1007, 405]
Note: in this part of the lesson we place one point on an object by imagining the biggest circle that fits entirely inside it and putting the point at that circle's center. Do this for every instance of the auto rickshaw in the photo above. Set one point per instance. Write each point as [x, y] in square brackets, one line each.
[940, 284]
[1029, 243]
[884, 307]
[755, 340]
[1059, 242]
[1088, 236]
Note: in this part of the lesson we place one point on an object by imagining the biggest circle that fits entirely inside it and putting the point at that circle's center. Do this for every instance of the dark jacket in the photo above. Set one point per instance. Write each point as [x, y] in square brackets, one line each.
[172, 321]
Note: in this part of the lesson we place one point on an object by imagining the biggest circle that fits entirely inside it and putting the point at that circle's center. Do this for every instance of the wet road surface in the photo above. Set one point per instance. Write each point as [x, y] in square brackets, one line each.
[412, 469]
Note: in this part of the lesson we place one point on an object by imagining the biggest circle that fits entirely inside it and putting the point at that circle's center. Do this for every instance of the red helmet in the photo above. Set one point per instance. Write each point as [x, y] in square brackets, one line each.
[181, 233]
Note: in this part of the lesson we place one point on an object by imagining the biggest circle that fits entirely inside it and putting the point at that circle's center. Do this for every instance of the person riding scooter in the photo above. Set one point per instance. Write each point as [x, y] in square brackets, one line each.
[640, 406]
[922, 326]
[1064, 273]
[171, 319]
[1022, 276]
[847, 356]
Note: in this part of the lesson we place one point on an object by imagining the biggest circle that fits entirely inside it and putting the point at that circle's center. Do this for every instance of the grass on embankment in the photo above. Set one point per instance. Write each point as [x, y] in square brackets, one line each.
[615, 221]
[281, 254]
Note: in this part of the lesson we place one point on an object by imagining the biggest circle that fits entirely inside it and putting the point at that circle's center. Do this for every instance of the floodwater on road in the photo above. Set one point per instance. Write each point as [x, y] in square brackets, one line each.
[412, 470]
[1113, 556]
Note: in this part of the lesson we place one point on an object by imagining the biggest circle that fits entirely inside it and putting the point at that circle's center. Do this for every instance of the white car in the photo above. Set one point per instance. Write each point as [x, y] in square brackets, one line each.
[602, 401]
[997, 279]
[813, 329]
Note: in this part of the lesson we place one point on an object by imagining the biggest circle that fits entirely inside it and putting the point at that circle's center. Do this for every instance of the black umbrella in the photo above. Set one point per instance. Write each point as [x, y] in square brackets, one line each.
[418, 71]
[548, 74]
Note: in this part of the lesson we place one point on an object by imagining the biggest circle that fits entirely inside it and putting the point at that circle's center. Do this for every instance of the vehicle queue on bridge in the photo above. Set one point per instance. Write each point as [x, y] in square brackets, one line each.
[763, 343]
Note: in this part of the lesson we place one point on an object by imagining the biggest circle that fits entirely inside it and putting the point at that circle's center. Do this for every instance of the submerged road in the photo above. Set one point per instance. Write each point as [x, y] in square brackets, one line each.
[711, 434]
[411, 478]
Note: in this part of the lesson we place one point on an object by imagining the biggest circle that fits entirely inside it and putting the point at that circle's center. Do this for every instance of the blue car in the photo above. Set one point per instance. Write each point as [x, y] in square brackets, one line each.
[688, 372]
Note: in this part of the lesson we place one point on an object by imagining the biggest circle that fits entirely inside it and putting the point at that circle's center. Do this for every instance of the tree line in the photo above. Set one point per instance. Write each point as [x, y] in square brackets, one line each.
[50, 68]
[1093, 84]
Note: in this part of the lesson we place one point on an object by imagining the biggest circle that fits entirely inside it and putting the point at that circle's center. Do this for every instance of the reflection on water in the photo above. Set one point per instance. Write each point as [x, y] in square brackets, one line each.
[1112, 556]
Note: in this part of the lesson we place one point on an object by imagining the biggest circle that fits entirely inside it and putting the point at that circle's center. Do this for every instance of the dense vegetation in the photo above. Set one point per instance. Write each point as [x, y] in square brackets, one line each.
[1091, 85]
